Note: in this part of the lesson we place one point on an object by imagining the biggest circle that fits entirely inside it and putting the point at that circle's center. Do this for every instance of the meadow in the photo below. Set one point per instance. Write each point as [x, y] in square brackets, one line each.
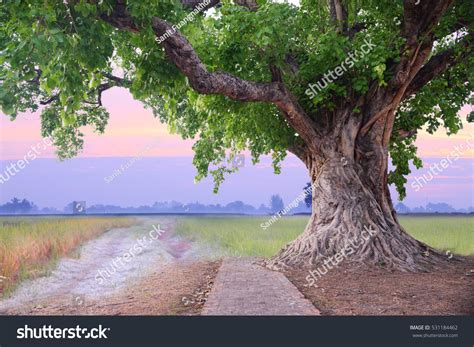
[243, 236]
[29, 246]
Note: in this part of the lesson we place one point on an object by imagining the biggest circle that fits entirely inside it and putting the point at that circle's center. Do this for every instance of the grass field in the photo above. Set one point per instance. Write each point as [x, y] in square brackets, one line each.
[29, 245]
[244, 236]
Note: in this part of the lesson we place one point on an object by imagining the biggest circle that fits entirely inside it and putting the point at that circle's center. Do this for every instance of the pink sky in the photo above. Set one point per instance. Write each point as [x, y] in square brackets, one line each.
[132, 129]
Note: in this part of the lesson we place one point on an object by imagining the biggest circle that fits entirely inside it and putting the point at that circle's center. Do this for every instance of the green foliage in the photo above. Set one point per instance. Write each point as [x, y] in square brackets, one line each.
[61, 42]
[75, 51]
[402, 151]
[436, 104]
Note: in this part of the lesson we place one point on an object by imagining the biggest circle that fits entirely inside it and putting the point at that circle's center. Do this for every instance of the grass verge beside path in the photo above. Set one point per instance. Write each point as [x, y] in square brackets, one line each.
[29, 245]
[243, 236]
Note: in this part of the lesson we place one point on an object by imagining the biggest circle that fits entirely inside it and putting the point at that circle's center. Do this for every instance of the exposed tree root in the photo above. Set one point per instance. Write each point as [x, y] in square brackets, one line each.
[348, 224]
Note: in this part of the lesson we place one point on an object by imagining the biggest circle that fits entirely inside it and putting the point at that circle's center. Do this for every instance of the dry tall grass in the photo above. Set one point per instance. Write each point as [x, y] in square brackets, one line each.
[27, 245]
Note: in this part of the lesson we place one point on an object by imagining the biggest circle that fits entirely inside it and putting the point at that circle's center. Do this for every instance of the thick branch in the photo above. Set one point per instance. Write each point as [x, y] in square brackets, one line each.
[439, 64]
[183, 55]
[300, 150]
[338, 14]
[421, 17]
[419, 21]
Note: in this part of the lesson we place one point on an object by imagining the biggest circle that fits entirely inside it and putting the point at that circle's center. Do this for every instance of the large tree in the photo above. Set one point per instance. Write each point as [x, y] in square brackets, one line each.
[261, 76]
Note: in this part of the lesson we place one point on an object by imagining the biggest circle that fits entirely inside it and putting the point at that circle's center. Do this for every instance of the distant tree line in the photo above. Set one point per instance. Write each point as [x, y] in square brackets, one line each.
[276, 204]
[17, 206]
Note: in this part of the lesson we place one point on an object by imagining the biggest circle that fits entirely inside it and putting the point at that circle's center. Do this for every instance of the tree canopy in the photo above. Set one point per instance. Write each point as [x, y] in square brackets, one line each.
[213, 78]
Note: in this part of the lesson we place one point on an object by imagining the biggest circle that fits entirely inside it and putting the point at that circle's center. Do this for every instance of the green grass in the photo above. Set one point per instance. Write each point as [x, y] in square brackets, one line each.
[241, 235]
[244, 236]
[445, 233]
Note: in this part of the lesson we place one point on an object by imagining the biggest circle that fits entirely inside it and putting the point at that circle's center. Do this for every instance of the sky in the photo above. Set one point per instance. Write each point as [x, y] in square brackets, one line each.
[158, 166]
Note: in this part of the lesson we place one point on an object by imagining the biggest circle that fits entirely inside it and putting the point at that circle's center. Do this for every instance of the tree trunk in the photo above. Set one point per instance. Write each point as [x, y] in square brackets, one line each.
[348, 167]
[345, 208]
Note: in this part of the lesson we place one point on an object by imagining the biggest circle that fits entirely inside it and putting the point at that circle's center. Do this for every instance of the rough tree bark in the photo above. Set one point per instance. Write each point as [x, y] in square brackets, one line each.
[346, 155]
[347, 199]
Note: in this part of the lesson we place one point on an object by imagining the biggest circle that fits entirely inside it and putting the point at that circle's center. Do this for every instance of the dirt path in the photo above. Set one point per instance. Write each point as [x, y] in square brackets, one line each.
[106, 267]
[245, 288]
[147, 270]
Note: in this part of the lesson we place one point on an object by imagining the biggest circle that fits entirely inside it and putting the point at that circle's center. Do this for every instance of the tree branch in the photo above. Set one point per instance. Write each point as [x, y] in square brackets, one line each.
[300, 150]
[192, 4]
[439, 64]
[119, 81]
[113, 81]
[419, 22]
[338, 14]
[276, 73]
[250, 4]
[120, 17]
[357, 27]
[183, 55]
[420, 18]
[50, 100]
[407, 133]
